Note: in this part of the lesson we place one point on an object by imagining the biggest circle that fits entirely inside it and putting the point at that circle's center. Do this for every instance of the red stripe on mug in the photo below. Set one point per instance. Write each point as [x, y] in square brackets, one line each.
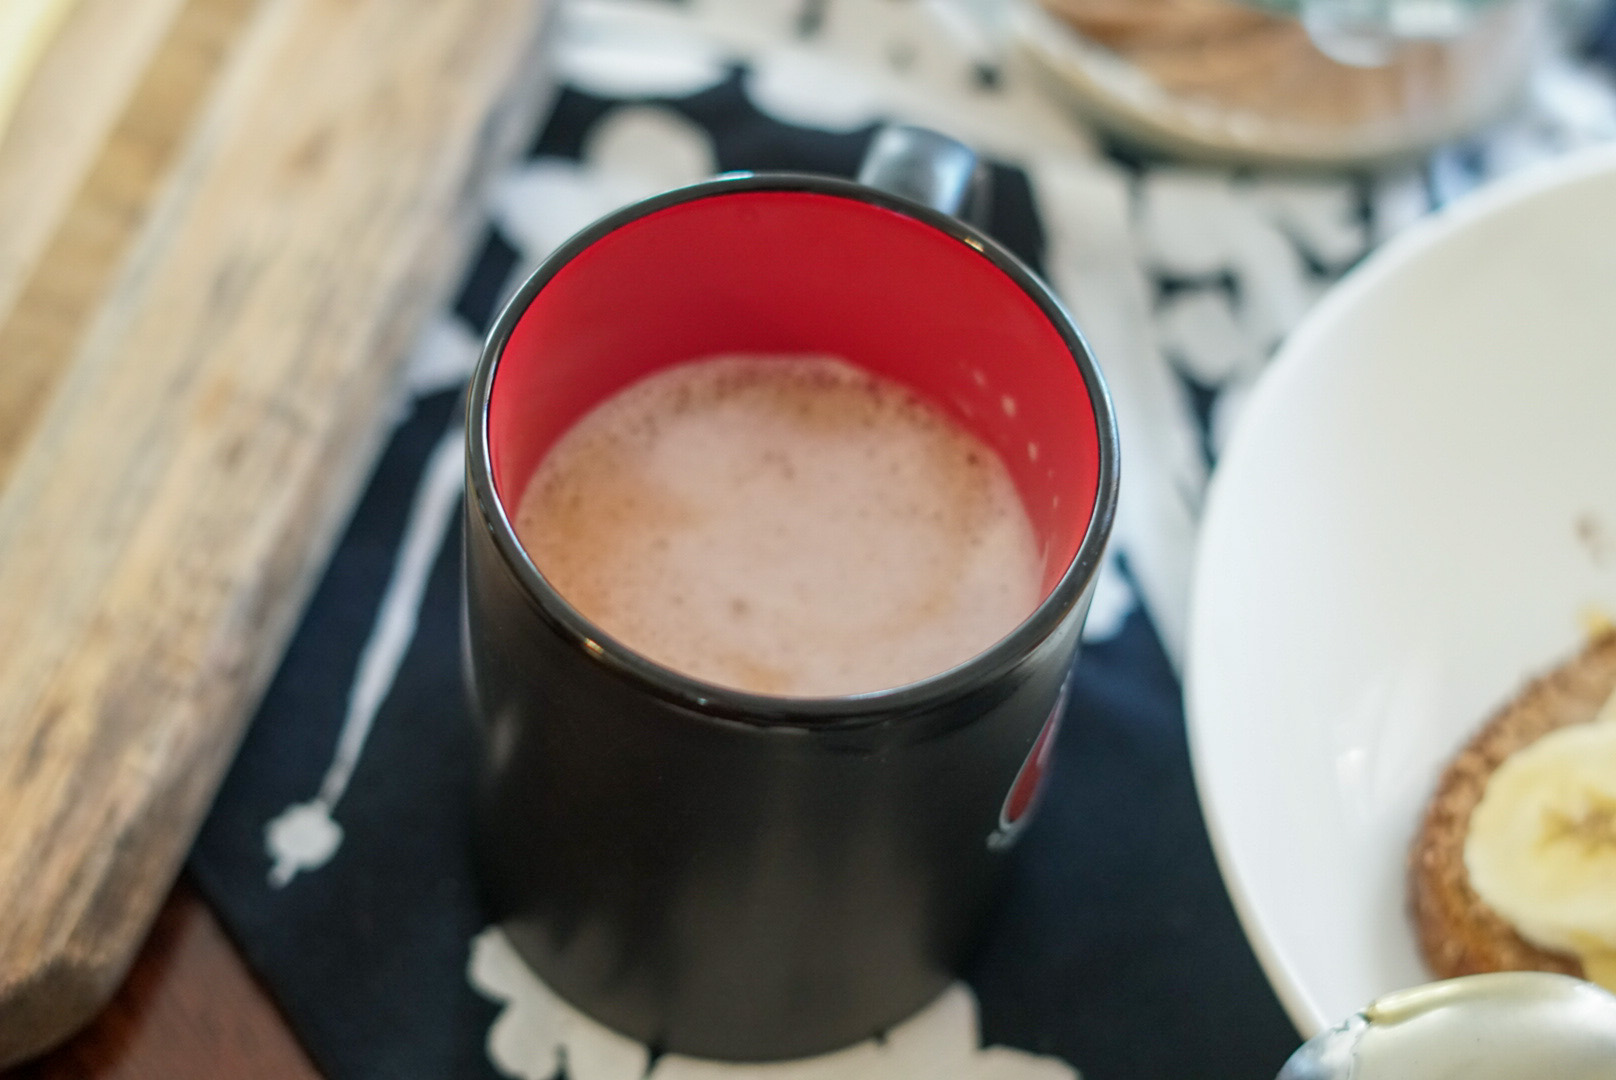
[1029, 782]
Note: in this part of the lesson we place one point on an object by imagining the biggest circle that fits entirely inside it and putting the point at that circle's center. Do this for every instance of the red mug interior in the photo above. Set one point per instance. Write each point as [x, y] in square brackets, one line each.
[795, 272]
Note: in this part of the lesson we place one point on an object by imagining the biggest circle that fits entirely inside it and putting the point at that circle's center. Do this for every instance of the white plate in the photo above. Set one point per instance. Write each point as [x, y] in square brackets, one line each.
[1415, 513]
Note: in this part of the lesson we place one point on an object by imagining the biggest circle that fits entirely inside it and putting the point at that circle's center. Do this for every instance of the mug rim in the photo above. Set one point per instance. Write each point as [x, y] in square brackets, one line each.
[839, 712]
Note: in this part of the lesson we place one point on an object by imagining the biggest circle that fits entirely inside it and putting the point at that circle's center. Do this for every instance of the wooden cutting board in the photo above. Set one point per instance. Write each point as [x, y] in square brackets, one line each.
[221, 224]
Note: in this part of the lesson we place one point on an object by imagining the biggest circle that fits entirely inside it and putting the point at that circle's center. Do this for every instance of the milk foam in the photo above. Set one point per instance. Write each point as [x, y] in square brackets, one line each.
[785, 525]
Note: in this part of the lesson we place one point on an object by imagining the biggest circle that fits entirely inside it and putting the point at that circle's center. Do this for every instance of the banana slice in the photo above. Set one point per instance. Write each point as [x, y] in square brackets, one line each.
[1541, 849]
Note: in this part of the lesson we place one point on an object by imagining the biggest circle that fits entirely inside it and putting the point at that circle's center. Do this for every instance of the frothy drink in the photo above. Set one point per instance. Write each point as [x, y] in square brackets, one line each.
[784, 525]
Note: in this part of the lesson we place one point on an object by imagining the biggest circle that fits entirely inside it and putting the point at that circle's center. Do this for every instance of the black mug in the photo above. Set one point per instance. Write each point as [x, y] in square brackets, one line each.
[735, 875]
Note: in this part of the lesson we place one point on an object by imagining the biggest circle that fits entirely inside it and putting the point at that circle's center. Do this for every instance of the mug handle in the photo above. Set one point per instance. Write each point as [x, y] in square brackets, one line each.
[929, 168]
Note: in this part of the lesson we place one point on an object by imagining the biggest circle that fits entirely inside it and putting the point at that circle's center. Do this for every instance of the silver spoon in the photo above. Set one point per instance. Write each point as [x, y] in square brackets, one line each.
[1509, 1026]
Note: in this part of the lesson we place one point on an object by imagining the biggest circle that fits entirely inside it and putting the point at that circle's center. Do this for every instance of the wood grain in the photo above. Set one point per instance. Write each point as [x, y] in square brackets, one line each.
[162, 523]
[68, 278]
[63, 120]
[189, 1008]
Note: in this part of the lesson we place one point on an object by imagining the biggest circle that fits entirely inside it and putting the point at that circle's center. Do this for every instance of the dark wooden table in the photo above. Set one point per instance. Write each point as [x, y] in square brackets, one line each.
[189, 1008]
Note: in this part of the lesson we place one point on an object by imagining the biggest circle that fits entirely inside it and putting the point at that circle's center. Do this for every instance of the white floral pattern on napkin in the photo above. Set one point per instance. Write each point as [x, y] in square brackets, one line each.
[538, 1036]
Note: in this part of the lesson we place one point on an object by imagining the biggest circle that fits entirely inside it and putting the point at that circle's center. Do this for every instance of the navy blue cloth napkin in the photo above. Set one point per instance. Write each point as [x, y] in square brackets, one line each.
[336, 853]
[1115, 947]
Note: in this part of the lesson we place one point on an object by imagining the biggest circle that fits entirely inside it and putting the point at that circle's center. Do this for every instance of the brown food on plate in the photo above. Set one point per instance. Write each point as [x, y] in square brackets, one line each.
[1458, 933]
[1229, 54]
